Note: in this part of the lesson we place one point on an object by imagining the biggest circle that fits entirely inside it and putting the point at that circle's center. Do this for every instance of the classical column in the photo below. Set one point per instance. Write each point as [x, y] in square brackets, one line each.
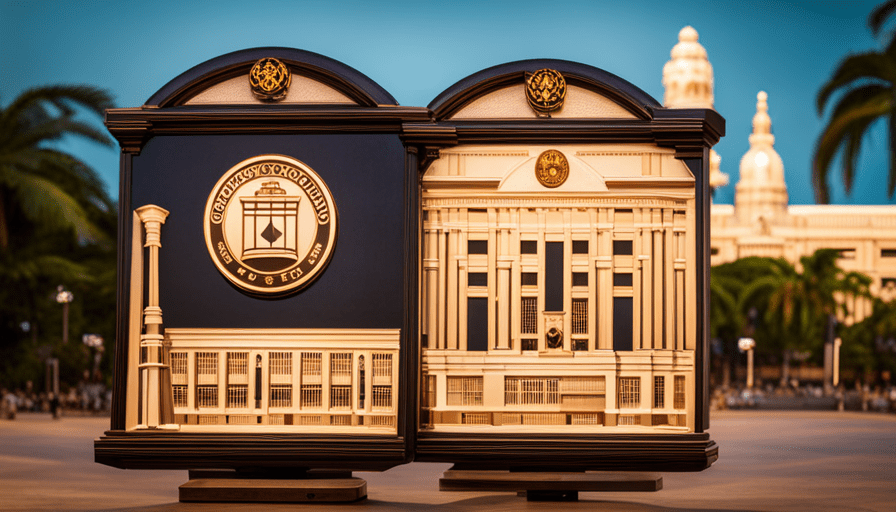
[152, 346]
[431, 287]
[604, 267]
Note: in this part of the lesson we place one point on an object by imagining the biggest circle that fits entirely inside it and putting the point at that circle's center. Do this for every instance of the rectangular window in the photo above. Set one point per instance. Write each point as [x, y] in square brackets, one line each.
[553, 276]
[477, 279]
[888, 253]
[382, 369]
[847, 254]
[464, 390]
[622, 247]
[382, 397]
[180, 395]
[237, 364]
[341, 369]
[340, 397]
[713, 251]
[179, 367]
[529, 315]
[429, 391]
[629, 392]
[679, 392]
[237, 396]
[529, 344]
[477, 246]
[622, 279]
[622, 324]
[311, 395]
[281, 395]
[531, 391]
[580, 246]
[529, 278]
[528, 247]
[659, 392]
[579, 345]
[477, 324]
[580, 278]
[206, 379]
[580, 316]
[280, 363]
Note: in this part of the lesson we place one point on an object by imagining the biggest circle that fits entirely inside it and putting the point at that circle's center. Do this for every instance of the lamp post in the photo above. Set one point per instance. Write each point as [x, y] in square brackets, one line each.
[94, 341]
[64, 297]
[747, 345]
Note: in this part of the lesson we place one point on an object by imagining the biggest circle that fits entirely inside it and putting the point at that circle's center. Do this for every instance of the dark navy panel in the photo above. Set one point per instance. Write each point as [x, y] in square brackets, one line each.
[622, 324]
[363, 285]
[553, 276]
[477, 324]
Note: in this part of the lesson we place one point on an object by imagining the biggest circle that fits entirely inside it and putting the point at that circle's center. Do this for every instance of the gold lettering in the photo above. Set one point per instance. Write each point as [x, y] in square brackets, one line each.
[252, 276]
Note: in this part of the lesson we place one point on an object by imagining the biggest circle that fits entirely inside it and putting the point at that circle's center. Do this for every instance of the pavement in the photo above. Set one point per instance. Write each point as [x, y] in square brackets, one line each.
[768, 461]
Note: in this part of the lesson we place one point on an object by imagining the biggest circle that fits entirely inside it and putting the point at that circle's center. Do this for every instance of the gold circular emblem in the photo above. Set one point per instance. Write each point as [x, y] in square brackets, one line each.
[551, 168]
[269, 79]
[546, 90]
[270, 225]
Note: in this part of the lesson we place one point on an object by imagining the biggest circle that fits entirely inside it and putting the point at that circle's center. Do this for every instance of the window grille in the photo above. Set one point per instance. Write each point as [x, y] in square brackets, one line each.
[529, 323]
[429, 391]
[179, 368]
[281, 363]
[340, 397]
[382, 369]
[311, 367]
[659, 392]
[311, 395]
[237, 396]
[237, 363]
[629, 392]
[529, 344]
[679, 392]
[382, 421]
[341, 369]
[464, 390]
[531, 391]
[206, 396]
[628, 420]
[580, 316]
[207, 367]
[382, 397]
[583, 385]
[281, 395]
[476, 418]
[180, 395]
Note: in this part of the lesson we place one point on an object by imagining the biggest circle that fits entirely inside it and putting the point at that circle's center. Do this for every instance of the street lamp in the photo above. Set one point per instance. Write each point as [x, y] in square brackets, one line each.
[94, 341]
[64, 297]
[747, 345]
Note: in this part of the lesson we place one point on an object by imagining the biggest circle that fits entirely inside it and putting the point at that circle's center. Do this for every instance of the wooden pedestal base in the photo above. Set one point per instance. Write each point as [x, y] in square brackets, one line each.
[270, 487]
[549, 486]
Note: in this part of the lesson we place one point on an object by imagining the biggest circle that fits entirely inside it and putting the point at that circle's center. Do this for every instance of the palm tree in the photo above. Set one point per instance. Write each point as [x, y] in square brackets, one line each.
[42, 185]
[798, 303]
[867, 83]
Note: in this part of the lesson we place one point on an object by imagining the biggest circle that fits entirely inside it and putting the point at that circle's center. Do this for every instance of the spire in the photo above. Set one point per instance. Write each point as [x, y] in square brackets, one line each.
[687, 77]
[761, 191]
[762, 123]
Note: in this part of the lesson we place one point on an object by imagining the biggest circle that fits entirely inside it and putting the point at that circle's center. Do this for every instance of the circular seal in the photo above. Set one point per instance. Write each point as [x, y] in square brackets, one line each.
[546, 90]
[551, 168]
[269, 79]
[270, 225]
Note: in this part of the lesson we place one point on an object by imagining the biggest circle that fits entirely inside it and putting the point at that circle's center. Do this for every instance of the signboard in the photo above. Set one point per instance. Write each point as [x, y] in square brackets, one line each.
[312, 276]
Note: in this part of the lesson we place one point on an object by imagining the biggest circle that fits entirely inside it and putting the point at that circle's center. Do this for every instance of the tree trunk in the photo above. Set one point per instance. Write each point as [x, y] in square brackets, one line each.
[785, 369]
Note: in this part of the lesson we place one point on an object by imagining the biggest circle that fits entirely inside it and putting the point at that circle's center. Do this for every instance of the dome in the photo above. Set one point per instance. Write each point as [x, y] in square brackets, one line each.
[687, 77]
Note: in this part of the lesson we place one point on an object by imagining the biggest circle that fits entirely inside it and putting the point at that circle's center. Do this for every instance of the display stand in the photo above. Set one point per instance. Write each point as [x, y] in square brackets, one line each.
[269, 486]
[549, 485]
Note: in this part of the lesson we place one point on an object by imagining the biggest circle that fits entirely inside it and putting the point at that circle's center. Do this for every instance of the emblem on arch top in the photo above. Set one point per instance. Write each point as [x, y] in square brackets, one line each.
[545, 91]
[551, 168]
[269, 79]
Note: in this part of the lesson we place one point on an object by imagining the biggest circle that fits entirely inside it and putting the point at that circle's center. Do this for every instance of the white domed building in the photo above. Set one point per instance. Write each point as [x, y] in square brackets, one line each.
[760, 222]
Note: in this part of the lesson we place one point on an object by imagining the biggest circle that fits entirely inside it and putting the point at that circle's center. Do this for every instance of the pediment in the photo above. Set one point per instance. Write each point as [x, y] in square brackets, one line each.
[510, 103]
[236, 91]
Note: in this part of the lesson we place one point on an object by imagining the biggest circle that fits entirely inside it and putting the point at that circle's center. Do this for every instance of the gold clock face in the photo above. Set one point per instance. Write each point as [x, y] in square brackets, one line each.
[545, 91]
[551, 168]
[270, 225]
[269, 79]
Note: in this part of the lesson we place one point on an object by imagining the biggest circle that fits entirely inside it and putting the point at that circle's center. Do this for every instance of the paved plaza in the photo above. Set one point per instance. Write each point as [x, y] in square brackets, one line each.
[770, 461]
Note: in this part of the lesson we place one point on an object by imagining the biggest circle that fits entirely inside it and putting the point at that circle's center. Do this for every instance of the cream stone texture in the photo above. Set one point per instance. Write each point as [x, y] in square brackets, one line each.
[510, 103]
[238, 92]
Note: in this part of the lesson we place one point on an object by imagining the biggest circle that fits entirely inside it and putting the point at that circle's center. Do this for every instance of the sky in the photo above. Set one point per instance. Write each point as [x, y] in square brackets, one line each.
[415, 50]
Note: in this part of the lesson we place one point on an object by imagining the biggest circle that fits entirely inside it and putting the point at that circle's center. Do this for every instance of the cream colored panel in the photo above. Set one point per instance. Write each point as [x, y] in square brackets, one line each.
[582, 178]
[237, 91]
[510, 102]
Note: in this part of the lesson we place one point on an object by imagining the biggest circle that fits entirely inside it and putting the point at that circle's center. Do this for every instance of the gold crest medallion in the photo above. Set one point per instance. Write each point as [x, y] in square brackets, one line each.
[270, 225]
[551, 168]
[546, 90]
[269, 79]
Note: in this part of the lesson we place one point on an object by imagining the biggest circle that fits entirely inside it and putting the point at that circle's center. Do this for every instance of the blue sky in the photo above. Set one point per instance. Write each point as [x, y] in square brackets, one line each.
[415, 50]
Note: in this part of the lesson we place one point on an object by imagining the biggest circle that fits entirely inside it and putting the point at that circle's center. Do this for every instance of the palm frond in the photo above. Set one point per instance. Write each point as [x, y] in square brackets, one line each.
[879, 15]
[871, 67]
